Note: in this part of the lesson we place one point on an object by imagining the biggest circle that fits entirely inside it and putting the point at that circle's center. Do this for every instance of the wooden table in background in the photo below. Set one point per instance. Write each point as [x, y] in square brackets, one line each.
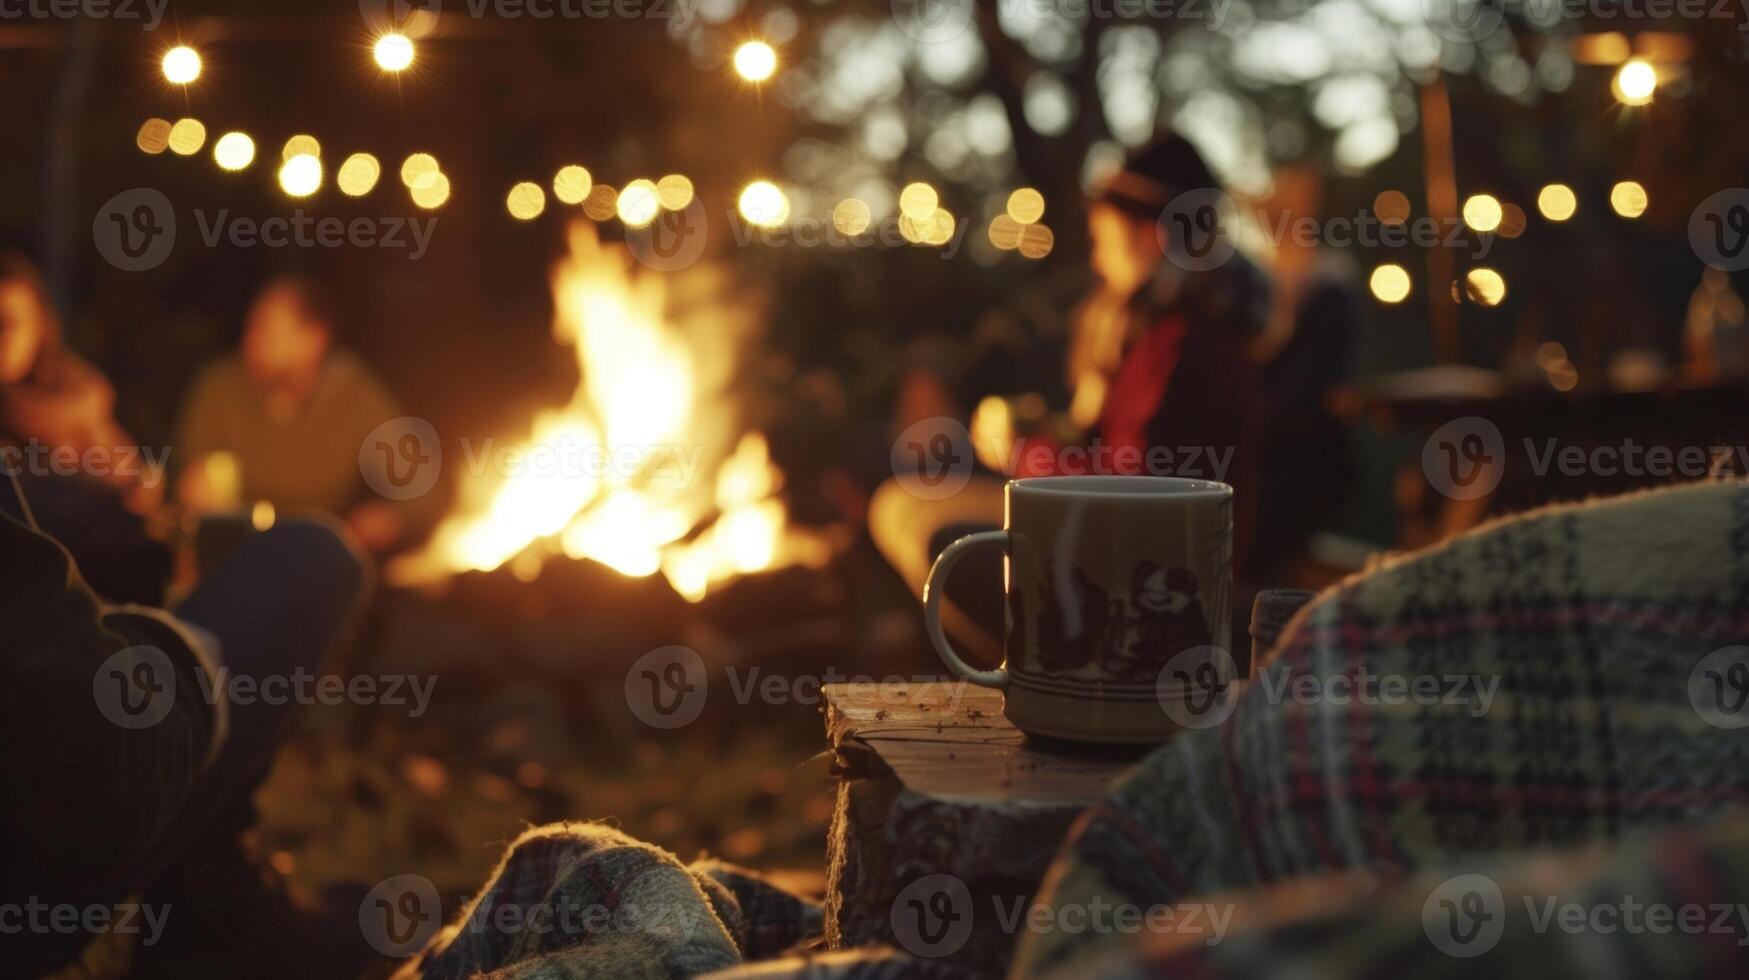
[936, 781]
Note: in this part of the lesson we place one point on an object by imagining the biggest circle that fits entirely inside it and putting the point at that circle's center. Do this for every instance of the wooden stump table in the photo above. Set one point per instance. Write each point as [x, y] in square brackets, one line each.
[935, 781]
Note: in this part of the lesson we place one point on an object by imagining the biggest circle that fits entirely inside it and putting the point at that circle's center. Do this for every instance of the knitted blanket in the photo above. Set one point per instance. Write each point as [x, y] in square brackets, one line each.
[1570, 676]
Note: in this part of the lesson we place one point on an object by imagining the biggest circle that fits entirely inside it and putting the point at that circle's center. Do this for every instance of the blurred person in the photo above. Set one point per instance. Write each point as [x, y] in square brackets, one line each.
[88, 480]
[126, 786]
[1157, 359]
[1307, 464]
[282, 420]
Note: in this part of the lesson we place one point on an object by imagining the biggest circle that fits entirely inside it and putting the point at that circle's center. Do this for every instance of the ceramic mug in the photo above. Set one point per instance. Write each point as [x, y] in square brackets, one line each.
[1119, 605]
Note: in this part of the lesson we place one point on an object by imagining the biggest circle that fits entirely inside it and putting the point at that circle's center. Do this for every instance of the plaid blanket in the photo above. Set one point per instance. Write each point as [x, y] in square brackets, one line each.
[1570, 676]
[1669, 904]
[585, 900]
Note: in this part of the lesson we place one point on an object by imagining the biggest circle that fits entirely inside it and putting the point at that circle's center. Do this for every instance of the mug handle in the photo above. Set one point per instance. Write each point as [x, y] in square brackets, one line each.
[938, 574]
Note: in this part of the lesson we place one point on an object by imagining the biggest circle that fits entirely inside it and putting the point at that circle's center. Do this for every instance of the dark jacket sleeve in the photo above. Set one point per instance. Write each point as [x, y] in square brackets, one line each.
[86, 797]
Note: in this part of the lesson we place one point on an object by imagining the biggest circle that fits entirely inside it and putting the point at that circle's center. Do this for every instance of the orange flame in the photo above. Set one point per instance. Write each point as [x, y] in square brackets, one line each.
[652, 407]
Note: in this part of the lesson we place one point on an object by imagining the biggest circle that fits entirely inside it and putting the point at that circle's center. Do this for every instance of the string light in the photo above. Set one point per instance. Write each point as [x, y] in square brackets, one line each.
[430, 190]
[234, 151]
[181, 65]
[187, 137]
[1391, 206]
[918, 201]
[300, 176]
[851, 217]
[301, 144]
[755, 61]
[1482, 212]
[417, 165]
[1390, 283]
[674, 191]
[154, 136]
[1635, 82]
[763, 204]
[639, 203]
[1036, 241]
[1484, 286]
[1005, 232]
[526, 201]
[1628, 199]
[571, 184]
[393, 52]
[358, 174]
[601, 203]
[1557, 202]
[1026, 205]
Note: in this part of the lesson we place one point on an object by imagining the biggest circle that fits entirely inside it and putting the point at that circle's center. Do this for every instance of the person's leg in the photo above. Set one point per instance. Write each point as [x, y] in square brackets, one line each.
[278, 605]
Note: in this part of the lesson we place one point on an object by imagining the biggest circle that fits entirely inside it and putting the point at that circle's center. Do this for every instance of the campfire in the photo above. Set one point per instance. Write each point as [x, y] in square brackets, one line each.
[648, 469]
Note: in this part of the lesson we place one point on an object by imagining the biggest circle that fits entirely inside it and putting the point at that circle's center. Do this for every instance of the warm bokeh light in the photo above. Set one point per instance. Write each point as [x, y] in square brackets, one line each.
[1026, 205]
[1005, 232]
[918, 201]
[674, 191]
[1390, 283]
[1482, 212]
[181, 65]
[1392, 207]
[1557, 202]
[154, 136]
[526, 201]
[571, 184]
[639, 203]
[187, 137]
[1628, 199]
[234, 151]
[1512, 220]
[303, 143]
[755, 61]
[938, 229]
[1635, 82]
[1036, 241]
[417, 165]
[393, 52]
[763, 204]
[1484, 286]
[301, 176]
[601, 203]
[430, 190]
[358, 175]
[851, 217]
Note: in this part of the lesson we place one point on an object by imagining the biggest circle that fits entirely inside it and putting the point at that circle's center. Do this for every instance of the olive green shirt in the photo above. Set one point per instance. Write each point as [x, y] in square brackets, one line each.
[308, 461]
